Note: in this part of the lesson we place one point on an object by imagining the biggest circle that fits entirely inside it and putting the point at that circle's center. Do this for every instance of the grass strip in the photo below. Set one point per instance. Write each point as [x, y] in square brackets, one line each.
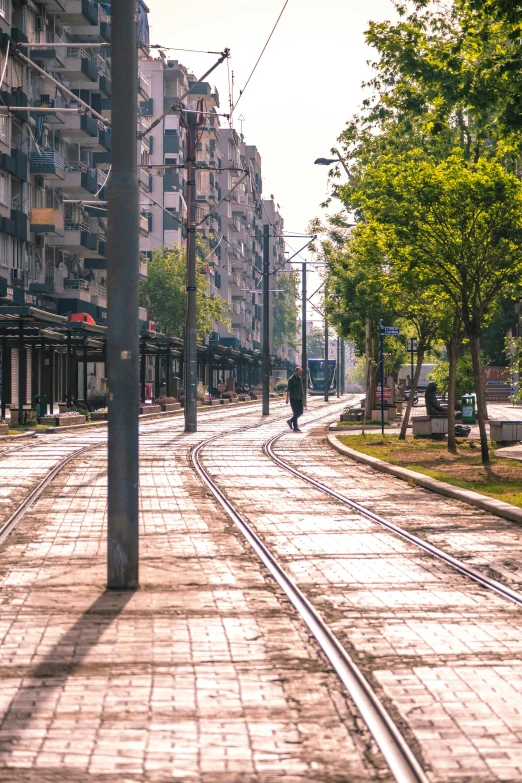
[502, 479]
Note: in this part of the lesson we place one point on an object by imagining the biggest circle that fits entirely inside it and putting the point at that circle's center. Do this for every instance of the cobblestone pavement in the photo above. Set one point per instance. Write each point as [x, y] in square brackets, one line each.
[444, 653]
[204, 674]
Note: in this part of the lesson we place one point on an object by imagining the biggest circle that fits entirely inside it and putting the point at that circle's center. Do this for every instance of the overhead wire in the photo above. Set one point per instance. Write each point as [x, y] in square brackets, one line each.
[241, 92]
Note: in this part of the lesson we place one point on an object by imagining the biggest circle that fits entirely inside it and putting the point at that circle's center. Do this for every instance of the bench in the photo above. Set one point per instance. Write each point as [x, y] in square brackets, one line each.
[429, 426]
[505, 431]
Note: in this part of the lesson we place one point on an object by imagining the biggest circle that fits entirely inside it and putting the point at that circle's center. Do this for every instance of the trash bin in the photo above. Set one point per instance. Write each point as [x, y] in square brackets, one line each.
[469, 413]
[40, 404]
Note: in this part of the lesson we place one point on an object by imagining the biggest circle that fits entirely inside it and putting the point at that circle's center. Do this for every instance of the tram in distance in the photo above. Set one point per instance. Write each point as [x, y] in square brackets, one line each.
[316, 375]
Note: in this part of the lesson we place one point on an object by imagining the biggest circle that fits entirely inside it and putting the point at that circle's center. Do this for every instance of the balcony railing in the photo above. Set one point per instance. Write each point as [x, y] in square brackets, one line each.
[72, 284]
[46, 161]
[76, 225]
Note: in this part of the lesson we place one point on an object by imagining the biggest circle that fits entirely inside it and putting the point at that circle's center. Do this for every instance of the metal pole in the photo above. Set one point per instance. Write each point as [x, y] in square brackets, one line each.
[122, 306]
[4, 376]
[191, 358]
[382, 376]
[143, 370]
[84, 372]
[266, 321]
[51, 379]
[343, 371]
[411, 376]
[304, 357]
[22, 374]
[338, 387]
[326, 373]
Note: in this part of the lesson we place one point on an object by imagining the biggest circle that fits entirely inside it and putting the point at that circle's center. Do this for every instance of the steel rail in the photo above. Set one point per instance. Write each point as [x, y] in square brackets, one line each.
[398, 755]
[459, 565]
[37, 491]
[13, 520]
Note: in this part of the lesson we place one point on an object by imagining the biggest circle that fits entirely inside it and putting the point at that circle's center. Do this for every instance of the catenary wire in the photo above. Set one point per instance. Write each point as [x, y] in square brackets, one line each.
[260, 56]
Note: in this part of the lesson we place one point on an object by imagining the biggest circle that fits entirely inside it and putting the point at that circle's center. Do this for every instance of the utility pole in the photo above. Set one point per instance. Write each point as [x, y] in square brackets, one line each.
[266, 321]
[191, 348]
[304, 357]
[122, 307]
[338, 384]
[326, 368]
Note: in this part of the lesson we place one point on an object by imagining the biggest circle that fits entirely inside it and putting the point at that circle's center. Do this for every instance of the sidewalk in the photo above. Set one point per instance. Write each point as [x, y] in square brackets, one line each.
[205, 673]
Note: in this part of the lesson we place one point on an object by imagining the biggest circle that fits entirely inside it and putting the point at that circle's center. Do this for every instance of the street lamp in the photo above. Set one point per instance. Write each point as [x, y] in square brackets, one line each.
[329, 161]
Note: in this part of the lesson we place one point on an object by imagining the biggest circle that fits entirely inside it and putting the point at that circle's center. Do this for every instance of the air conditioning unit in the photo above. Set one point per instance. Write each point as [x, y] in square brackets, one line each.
[41, 22]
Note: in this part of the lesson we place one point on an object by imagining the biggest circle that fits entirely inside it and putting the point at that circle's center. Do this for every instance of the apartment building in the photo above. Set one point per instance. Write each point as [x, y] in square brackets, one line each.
[54, 164]
[229, 193]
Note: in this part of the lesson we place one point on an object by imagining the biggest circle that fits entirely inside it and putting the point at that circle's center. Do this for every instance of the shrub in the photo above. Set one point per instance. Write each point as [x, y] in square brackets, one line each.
[98, 400]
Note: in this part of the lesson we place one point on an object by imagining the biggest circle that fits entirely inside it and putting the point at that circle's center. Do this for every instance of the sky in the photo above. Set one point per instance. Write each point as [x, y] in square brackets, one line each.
[305, 88]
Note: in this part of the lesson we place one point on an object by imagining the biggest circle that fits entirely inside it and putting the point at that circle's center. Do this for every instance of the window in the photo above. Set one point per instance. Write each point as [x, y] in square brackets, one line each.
[3, 8]
[4, 129]
[4, 250]
[3, 188]
[18, 254]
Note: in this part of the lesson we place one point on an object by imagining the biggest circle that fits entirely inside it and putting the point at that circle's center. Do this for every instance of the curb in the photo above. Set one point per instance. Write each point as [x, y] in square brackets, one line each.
[490, 505]
[143, 417]
[28, 434]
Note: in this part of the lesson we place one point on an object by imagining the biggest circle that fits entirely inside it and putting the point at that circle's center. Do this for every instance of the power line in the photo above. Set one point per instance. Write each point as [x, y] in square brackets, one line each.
[259, 58]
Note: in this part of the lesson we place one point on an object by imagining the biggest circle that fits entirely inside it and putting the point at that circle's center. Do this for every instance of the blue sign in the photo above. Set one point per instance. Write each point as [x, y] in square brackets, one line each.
[389, 331]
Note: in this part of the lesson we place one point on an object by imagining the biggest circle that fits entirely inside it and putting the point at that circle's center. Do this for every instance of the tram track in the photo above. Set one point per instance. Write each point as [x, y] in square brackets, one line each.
[398, 755]
[485, 581]
[151, 427]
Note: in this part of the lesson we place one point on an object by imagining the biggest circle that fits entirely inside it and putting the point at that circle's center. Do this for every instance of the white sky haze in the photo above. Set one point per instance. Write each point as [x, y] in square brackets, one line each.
[307, 85]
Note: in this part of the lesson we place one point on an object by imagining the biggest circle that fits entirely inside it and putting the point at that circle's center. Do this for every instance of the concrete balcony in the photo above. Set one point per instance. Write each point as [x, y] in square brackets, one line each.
[143, 87]
[82, 181]
[144, 270]
[79, 13]
[49, 164]
[77, 239]
[79, 127]
[47, 221]
[144, 225]
[54, 6]
[79, 69]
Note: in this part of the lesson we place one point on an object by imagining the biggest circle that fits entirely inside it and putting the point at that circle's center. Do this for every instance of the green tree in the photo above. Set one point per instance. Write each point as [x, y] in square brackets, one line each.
[456, 224]
[285, 311]
[165, 290]
[315, 343]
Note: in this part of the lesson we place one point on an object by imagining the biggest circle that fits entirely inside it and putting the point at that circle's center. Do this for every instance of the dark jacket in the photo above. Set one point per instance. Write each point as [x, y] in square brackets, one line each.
[433, 406]
[295, 388]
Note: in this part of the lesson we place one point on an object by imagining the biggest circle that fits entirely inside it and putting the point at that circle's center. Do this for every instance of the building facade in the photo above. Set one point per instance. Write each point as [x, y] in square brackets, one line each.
[54, 164]
[231, 210]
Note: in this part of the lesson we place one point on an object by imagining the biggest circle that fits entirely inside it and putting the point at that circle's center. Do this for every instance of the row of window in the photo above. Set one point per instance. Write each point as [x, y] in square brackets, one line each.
[17, 254]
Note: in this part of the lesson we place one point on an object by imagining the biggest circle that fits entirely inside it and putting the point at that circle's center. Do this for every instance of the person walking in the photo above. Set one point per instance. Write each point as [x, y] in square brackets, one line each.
[294, 394]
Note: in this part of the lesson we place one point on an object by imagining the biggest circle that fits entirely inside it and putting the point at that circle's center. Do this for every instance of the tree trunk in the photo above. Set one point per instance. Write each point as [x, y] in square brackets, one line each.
[409, 405]
[453, 347]
[482, 413]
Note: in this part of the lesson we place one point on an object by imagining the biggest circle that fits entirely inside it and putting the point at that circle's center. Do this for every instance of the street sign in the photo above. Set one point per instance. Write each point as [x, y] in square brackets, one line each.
[412, 344]
[388, 331]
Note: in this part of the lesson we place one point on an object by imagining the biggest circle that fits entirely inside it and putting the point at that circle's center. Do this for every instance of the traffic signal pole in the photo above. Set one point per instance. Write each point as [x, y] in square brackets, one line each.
[122, 306]
[266, 321]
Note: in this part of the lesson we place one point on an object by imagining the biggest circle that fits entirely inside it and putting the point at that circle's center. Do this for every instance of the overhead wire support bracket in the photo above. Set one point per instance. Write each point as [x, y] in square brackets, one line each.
[225, 54]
